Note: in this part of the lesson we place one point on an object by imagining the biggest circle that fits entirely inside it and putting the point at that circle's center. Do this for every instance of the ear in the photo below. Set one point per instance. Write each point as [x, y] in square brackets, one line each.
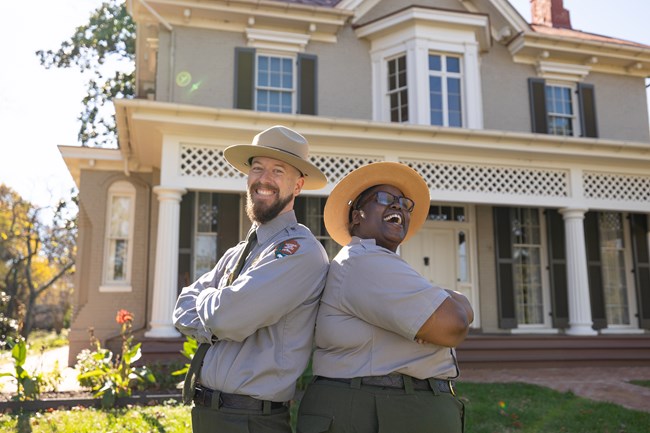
[355, 217]
[298, 187]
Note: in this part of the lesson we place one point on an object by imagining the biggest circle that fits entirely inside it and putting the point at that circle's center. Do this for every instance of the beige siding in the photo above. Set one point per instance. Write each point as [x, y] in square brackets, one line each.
[95, 309]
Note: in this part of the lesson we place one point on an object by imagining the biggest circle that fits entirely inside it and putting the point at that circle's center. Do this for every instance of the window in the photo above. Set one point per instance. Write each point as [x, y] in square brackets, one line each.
[205, 237]
[445, 97]
[397, 90]
[275, 83]
[119, 238]
[612, 252]
[527, 268]
[274, 88]
[439, 53]
[560, 115]
[309, 211]
[562, 109]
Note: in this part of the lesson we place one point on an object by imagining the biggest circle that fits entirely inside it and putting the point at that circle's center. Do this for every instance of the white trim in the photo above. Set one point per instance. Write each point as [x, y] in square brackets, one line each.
[275, 40]
[562, 71]
[108, 288]
[533, 329]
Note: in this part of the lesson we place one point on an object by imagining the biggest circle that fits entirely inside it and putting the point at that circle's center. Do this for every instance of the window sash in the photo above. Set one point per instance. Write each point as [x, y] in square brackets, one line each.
[275, 84]
[398, 89]
[560, 110]
[119, 235]
[612, 252]
[445, 90]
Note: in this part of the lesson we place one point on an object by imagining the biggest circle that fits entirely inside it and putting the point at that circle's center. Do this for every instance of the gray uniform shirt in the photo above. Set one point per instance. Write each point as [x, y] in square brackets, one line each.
[372, 306]
[263, 323]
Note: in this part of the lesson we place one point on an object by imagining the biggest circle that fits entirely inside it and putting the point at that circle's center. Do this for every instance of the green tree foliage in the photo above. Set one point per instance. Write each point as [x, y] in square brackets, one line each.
[34, 255]
[105, 49]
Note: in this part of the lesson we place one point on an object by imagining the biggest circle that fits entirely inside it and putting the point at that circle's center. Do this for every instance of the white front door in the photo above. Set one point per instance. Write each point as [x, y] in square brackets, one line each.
[432, 252]
[442, 253]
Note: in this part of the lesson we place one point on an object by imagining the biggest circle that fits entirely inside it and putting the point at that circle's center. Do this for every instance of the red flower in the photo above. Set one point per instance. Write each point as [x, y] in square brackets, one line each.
[124, 316]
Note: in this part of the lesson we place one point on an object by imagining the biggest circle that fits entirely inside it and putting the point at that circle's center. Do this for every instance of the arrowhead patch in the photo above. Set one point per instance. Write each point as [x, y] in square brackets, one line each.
[287, 248]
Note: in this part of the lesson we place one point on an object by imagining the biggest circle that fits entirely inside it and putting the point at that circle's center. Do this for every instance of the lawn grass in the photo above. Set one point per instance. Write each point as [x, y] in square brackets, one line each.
[523, 408]
[490, 408]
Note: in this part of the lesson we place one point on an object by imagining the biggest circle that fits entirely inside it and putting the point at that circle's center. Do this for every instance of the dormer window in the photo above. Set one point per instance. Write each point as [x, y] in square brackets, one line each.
[425, 66]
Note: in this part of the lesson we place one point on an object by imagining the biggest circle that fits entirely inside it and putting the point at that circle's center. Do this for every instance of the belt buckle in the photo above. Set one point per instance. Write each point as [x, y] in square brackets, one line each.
[451, 388]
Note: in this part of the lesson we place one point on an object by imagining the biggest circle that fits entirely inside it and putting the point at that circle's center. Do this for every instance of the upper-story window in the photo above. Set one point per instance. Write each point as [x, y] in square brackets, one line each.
[277, 83]
[274, 87]
[445, 90]
[397, 90]
[119, 238]
[425, 66]
[562, 108]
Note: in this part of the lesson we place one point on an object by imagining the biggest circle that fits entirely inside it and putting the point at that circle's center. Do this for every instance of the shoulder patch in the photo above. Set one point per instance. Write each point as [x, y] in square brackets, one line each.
[286, 248]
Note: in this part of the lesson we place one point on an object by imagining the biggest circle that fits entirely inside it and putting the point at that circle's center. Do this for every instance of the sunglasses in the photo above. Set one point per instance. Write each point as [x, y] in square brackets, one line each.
[386, 199]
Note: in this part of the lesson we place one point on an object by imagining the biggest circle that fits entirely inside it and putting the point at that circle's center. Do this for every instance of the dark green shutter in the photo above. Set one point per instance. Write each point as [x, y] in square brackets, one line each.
[307, 79]
[595, 271]
[587, 103]
[557, 268]
[537, 95]
[228, 206]
[244, 77]
[639, 228]
[505, 283]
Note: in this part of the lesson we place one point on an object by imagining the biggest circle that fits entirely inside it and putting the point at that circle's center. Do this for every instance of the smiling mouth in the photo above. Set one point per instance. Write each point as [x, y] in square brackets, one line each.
[394, 218]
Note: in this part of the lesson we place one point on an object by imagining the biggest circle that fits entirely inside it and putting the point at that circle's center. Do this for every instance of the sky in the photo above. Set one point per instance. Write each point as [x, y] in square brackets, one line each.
[39, 107]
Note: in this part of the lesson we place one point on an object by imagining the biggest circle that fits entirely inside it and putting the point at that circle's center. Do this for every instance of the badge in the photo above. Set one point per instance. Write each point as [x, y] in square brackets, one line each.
[287, 248]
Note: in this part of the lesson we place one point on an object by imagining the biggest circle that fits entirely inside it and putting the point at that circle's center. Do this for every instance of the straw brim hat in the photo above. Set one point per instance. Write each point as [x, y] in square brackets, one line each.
[282, 143]
[403, 177]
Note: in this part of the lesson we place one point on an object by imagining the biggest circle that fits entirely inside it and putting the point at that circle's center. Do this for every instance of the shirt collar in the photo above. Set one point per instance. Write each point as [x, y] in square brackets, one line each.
[271, 228]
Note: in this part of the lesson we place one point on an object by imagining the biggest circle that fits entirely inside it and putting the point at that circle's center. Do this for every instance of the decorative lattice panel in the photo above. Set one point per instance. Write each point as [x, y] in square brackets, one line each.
[621, 187]
[336, 167]
[492, 179]
[204, 161]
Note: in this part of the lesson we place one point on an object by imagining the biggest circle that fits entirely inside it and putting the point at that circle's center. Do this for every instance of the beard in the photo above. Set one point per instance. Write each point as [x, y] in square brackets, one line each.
[262, 213]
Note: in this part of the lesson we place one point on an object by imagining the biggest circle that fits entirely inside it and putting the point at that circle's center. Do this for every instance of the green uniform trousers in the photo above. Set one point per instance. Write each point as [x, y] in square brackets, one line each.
[335, 407]
[226, 420]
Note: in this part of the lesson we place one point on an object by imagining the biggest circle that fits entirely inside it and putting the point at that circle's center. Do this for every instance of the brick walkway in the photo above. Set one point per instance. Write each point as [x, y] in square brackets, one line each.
[608, 384]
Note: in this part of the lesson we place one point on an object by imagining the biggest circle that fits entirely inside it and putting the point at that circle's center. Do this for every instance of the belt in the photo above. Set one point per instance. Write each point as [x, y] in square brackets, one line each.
[203, 397]
[397, 381]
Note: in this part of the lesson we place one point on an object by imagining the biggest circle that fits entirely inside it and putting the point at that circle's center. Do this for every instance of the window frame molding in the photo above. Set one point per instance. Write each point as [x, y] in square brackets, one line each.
[120, 188]
[416, 32]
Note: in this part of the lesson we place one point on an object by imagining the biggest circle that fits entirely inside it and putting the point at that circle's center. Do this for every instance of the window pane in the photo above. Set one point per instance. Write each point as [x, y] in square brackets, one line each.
[205, 254]
[453, 64]
[117, 260]
[120, 212]
[435, 63]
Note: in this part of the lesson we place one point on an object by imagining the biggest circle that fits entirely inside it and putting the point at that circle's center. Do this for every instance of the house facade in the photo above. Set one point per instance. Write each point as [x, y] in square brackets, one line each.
[533, 138]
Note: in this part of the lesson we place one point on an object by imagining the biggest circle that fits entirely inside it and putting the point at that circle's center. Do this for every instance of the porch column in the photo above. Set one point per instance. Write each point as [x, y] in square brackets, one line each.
[578, 281]
[166, 268]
